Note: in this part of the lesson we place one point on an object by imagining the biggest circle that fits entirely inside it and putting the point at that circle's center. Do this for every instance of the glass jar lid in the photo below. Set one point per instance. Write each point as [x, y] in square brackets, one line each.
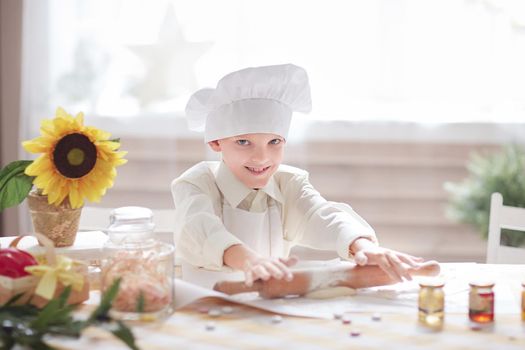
[131, 224]
[431, 282]
[482, 283]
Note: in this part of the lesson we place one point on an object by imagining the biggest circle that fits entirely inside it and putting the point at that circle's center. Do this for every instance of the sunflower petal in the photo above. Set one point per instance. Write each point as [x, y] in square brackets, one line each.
[36, 145]
[60, 113]
[54, 193]
[79, 119]
[37, 166]
[47, 128]
[75, 199]
[97, 134]
[109, 145]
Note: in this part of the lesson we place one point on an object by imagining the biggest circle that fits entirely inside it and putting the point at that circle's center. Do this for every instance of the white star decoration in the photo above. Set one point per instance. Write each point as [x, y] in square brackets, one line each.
[169, 64]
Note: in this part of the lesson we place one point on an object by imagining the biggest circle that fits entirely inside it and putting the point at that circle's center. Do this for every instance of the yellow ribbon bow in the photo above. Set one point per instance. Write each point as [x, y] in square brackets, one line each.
[50, 275]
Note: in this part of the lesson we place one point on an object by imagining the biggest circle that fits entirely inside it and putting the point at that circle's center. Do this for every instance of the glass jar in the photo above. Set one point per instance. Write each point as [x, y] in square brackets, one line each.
[431, 303]
[481, 302]
[143, 264]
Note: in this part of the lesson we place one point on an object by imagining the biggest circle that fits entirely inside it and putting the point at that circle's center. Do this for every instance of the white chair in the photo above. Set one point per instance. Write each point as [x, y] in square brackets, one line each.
[97, 219]
[506, 217]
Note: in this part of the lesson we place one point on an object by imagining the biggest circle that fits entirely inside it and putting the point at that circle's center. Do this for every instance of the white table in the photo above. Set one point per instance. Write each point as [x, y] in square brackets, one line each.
[250, 328]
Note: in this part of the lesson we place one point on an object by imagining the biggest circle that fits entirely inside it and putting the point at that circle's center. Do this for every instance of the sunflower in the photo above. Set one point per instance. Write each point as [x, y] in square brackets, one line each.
[76, 161]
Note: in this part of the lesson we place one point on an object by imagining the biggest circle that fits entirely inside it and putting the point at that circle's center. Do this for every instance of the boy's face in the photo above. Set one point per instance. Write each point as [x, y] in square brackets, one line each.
[252, 158]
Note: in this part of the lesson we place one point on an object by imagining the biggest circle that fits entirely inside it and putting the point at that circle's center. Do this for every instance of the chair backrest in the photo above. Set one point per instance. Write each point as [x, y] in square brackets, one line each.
[97, 219]
[506, 217]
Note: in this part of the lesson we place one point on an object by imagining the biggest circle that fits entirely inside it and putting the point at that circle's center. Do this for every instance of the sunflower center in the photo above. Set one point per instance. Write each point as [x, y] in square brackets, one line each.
[75, 155]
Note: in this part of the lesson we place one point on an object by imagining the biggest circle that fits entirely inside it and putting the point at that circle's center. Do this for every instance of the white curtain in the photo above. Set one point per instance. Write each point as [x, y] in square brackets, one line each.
[35, 82]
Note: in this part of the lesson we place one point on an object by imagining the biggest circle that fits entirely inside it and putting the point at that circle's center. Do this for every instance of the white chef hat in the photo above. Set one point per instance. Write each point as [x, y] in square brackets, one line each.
[251, 100]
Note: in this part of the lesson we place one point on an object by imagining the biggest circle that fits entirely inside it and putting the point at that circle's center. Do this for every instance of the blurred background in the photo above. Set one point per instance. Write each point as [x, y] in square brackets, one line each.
[404, 92]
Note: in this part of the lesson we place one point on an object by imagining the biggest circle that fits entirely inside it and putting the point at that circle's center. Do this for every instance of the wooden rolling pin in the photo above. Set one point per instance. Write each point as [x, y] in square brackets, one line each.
[308, 280]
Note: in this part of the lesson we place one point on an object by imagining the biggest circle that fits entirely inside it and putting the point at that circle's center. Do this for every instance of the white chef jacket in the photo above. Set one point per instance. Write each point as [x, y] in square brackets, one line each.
[307, 218]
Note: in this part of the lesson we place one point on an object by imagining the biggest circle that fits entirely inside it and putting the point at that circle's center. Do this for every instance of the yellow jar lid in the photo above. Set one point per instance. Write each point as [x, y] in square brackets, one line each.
[482, 283]
[431, 282]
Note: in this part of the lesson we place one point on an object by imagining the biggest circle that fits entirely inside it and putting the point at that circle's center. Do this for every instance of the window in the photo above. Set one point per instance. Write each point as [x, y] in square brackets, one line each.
[133, 62]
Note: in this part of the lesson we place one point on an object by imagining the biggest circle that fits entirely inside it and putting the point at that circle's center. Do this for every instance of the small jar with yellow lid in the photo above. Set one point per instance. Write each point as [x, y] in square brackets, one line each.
[431, 303]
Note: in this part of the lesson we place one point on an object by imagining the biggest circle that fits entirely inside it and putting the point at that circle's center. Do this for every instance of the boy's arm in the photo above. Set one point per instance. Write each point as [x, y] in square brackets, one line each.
[238, 255]
[312, 221]
[319, 224]
[201, 235]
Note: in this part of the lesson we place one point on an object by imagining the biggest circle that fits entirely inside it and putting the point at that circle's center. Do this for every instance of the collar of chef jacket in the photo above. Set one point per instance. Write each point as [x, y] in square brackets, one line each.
[234, 191]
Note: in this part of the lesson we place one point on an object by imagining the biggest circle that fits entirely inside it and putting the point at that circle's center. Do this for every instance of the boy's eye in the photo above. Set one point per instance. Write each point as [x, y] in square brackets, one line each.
[242, 142]
[275, 141]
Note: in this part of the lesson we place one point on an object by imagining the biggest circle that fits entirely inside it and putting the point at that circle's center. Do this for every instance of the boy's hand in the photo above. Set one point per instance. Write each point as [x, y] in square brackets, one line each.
[394, 263]
[240, 257]
[266, 268]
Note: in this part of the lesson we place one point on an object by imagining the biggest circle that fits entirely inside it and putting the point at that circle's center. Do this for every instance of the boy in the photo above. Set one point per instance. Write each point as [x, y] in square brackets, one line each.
[244, 213]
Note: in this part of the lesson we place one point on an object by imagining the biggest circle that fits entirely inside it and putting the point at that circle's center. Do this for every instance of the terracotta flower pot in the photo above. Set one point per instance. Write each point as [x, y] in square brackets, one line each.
[58, 223]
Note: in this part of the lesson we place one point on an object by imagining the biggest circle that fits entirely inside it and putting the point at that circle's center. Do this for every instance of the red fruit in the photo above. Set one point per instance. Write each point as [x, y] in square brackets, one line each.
[13, 262]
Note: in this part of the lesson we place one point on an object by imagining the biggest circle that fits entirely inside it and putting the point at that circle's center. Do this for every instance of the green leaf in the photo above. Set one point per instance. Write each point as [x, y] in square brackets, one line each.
[55, 311]
[62, 299]
[14, 183]
[101, 312]
[101, 315]
[6, 342]
[13, 299]
[121, 331]
[140, 302]
[46, 314]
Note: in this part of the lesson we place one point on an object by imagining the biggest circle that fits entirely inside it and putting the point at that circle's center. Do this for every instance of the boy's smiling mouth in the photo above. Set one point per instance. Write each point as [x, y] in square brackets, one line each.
[257, 171]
